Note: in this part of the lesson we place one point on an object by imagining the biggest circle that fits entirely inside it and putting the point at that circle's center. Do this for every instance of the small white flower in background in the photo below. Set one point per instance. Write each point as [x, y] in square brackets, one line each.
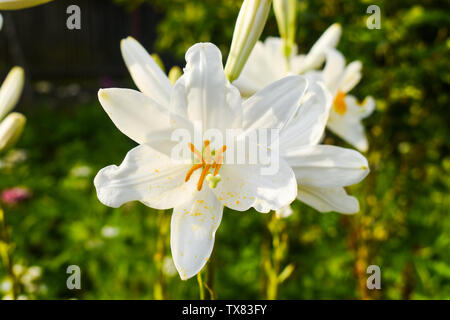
[346, 113]
[110, 232]
[168, 267]
[284, 212]
[148, 174]
[268, 63]
[6, 285]
[20, 4]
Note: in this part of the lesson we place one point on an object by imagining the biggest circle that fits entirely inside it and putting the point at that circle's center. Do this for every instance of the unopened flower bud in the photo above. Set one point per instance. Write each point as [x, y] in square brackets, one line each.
[10, 130]
[286, 14]
[174, 74]
[10, 90]
[249, 26]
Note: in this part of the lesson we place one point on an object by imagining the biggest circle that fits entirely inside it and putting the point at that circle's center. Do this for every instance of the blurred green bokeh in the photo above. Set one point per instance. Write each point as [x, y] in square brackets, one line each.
[404, 223]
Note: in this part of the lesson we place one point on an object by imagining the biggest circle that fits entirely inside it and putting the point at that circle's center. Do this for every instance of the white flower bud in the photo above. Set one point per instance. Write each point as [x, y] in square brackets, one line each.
[10, 130]
[10, 90]
[20, 4]
[249, 26]
[286, 14]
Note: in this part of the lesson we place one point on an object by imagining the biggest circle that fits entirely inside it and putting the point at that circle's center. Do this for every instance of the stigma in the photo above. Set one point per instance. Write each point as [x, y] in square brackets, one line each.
[210, 163]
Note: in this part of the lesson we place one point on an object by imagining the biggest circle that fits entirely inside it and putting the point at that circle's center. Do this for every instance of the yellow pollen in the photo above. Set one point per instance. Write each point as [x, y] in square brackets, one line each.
[205, 164]
[339, 105]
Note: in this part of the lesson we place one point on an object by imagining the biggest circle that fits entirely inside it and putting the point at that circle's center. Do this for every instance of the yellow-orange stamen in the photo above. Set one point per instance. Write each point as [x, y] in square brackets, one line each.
[205, 162]
[340, 106]
[197, 153]
[191, 171]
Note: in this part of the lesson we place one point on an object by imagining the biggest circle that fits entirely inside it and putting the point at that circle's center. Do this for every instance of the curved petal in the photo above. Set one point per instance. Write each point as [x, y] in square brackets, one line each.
[10, 90]
[360, 110]
[327, 166]
[308, 125]
[146, 73]
[209, 97]
[135, 114]
[273, 106]
[328, 199]
[245, 186]
[254, 77]
[316, 56]
[334, 70]
[351, 77]
[147, 176]
[350, 129]
[192, 232]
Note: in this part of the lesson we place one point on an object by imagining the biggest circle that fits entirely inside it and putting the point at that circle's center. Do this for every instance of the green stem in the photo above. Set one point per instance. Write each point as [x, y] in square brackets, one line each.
[200, 286]
[5, 251]
[159, 289]
[209, 283]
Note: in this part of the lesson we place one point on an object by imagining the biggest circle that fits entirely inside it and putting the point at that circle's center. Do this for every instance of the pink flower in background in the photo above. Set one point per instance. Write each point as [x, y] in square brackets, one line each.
[15, 195]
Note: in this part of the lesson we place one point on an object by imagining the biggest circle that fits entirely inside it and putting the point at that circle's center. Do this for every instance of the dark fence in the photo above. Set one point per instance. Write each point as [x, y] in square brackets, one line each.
[39, 40]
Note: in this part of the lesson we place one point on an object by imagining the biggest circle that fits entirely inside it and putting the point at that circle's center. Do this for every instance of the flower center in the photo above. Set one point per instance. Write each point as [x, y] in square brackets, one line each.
[339, 105]
[206, 164]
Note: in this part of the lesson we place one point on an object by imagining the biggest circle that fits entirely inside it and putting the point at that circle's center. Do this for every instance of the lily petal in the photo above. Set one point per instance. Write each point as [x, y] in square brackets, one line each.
[334, 69]
[244, 186]
[327, 166]
[135, 114]
[328, 199]
[308, 125]
[273, 106]
[210, 98]
[351, 130]
[192, 232]
[147, 176]
[316, 56]
[351, 77]
[146, 73]
[360, 110]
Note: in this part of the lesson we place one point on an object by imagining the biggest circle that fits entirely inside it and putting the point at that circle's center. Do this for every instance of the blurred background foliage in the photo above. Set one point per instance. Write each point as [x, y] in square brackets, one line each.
[404, 223]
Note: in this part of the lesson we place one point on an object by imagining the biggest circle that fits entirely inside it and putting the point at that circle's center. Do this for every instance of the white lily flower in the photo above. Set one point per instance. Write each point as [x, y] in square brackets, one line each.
[346, 113]
[267, 62]
[11, 90]
[20, 4]
[322, 171]
[203, 94]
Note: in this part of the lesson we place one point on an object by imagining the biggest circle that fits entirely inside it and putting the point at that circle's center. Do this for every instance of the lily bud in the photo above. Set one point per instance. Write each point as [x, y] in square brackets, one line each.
[286, 14]
[174, 74]
[10, 130]
[10, 90]
[249, 26]
[20, 4]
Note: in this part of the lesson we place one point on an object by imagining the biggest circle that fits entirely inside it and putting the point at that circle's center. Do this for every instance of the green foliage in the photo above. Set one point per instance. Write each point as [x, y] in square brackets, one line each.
[404, 223]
